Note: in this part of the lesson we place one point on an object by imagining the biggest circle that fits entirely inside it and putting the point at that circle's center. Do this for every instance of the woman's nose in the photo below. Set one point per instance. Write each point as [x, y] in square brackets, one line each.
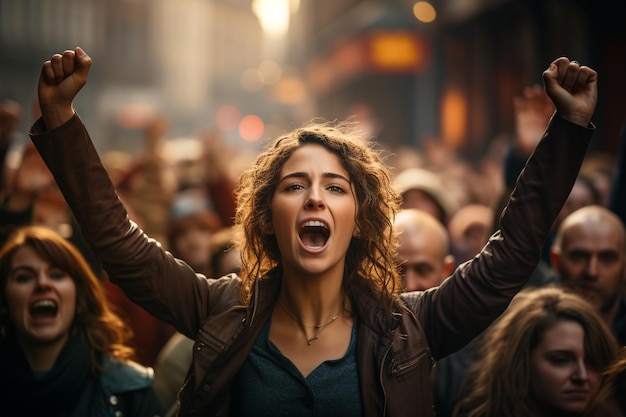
[43, 280]
[580, 373]
[314, 199]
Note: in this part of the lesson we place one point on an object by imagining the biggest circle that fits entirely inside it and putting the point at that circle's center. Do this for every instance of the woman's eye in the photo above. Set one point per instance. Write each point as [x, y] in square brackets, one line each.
[57, 274]
[22, 277]
[558, 360]
[336, 189]
[293, 187]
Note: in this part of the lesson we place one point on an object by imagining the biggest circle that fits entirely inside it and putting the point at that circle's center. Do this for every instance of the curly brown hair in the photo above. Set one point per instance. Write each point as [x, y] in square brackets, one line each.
[106, 332]
[370, 256]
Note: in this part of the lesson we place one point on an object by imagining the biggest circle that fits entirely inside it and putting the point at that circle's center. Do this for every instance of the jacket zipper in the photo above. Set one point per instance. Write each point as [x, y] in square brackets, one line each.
[399, 368]
[214, 342]
[380, 376]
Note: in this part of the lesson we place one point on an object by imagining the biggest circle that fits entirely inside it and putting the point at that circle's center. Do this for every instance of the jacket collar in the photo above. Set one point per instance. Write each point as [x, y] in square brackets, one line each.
[264, 295]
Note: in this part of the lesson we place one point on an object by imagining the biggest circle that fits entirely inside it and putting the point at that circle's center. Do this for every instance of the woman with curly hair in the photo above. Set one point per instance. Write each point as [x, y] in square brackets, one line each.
[63, 351]
[543, 357]
[316, 322]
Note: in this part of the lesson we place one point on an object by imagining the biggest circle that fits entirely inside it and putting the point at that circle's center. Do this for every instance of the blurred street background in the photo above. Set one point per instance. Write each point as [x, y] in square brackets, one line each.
[413, 73]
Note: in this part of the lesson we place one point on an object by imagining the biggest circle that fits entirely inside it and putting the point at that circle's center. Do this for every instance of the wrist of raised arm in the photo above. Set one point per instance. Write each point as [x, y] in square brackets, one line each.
[57, 116]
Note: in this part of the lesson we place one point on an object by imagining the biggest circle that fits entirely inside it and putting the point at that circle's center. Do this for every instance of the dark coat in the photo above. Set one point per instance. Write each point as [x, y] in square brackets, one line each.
[72, 389]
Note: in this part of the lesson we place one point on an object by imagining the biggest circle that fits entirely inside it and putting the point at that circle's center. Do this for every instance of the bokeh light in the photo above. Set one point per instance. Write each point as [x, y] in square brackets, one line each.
[251, 128]
[290, 91]
[134, 115]
[454, 118]
[424, 12]
[270, 72]
[273, 16]
[251, 80]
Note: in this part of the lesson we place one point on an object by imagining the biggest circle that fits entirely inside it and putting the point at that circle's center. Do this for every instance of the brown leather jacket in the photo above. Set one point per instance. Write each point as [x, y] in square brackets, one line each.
[394, 356]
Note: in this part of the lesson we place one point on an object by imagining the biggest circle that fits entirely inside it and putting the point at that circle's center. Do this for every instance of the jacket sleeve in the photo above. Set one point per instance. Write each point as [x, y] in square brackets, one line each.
[151, 277]
[480, 289]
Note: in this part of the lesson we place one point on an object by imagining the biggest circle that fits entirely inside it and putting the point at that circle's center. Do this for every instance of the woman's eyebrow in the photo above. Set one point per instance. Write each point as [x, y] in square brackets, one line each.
[305, 175]
[333, 175]
[19, 268]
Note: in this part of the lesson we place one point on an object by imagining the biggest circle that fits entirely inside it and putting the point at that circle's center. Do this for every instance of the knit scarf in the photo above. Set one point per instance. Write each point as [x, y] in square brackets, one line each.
[53, 394]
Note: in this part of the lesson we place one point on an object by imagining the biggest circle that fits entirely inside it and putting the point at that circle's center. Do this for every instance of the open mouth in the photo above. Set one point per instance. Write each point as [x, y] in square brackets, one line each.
[314, 234]
[43, 309]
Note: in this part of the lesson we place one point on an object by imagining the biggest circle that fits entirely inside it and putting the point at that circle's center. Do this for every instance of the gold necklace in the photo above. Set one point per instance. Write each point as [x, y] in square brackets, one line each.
[318, 327]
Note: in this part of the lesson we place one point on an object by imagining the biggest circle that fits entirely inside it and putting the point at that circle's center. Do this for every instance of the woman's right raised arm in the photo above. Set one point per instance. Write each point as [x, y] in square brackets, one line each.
[167, 288]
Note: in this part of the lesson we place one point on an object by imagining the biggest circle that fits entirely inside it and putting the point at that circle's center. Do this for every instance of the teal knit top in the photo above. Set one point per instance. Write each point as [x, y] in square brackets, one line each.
[269, 384]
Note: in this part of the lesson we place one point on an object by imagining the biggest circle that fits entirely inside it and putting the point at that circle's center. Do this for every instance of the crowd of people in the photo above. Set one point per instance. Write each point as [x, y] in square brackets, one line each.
[321, 279]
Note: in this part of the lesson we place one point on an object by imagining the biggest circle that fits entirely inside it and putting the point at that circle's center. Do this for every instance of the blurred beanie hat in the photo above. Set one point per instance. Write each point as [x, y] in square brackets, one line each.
[189, 203]
[427, 182]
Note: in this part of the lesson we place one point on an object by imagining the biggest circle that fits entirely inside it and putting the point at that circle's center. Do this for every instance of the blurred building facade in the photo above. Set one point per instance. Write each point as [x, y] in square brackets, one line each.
[453, 79]
[408, 81]
[180, 58]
